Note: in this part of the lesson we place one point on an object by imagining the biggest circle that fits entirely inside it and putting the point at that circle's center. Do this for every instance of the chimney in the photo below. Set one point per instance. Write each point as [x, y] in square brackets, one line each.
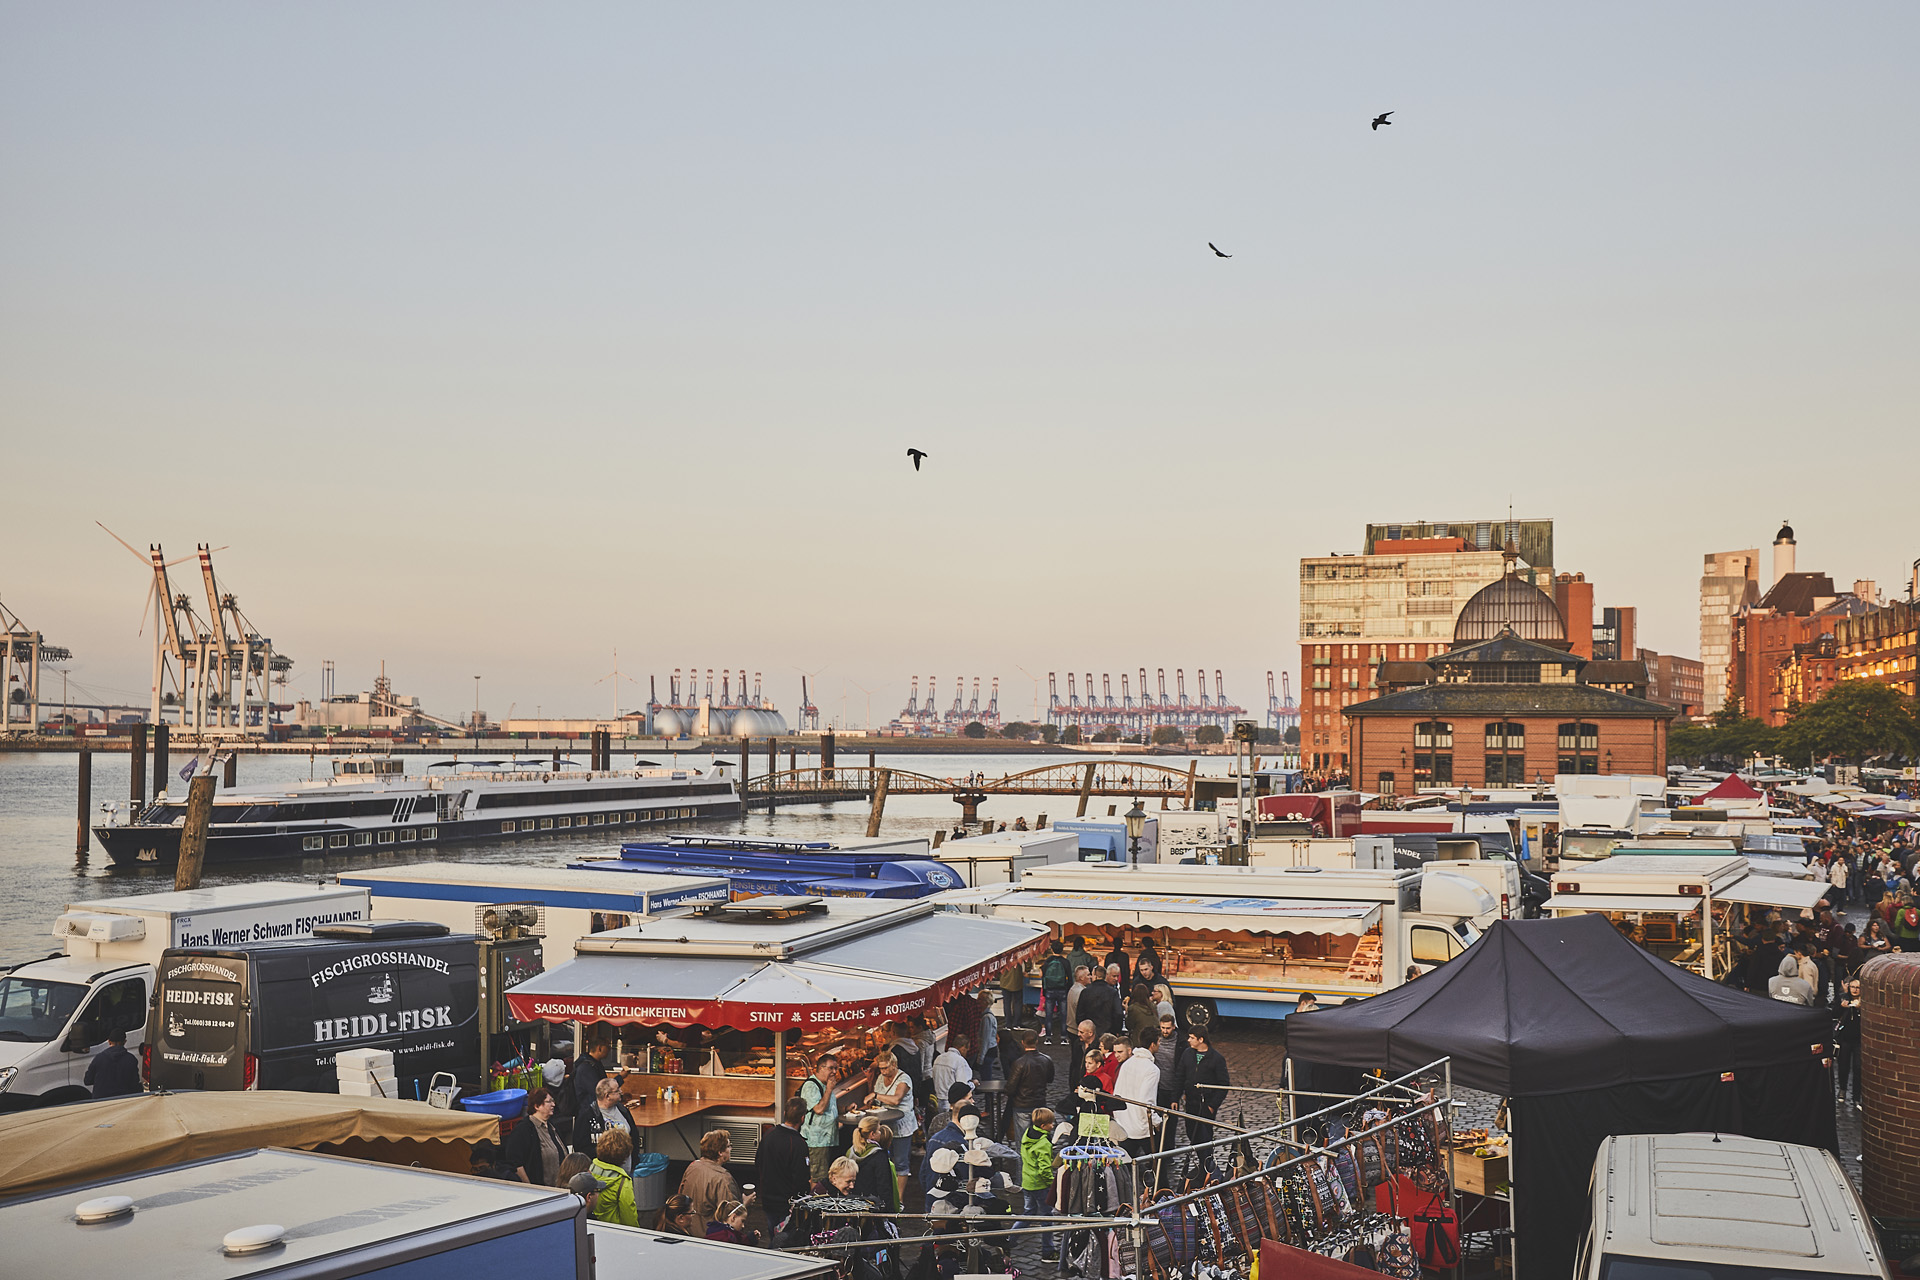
[1783, 546]
[1868, 590]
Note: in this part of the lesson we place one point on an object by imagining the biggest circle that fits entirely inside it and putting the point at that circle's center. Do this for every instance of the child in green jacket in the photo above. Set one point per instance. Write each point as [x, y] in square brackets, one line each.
[1037, 1165]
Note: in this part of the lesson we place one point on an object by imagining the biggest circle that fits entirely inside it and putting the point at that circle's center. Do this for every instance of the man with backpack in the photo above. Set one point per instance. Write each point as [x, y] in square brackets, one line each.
[1055, 979]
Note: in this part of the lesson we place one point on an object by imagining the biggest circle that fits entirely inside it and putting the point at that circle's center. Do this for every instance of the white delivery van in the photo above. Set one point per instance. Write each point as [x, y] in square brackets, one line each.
[1688, 1206]
[56, 1014]
[1247, 941]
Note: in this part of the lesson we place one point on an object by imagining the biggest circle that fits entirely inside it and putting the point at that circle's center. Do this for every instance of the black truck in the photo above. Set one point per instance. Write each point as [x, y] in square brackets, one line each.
[272, 1015]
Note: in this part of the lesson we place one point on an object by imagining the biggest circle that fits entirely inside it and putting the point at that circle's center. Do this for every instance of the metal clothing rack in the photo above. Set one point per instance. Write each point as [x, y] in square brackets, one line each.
[1286, 1134]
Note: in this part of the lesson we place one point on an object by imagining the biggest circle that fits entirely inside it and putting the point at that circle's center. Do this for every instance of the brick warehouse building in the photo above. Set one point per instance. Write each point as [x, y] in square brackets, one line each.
[1513, 709]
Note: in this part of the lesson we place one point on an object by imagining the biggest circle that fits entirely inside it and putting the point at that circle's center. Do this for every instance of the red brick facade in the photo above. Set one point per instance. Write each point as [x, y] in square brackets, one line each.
[1385, 751]
[1890, 1079]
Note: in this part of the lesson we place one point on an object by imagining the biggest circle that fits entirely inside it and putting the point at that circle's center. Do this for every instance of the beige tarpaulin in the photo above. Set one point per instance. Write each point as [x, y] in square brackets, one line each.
[87, 1140]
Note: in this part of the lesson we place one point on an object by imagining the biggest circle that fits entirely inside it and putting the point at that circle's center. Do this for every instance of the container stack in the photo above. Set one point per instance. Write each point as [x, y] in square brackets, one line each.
[366, 1073]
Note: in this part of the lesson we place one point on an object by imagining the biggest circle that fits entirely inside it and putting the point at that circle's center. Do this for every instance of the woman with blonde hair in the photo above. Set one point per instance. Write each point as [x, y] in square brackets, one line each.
[877, 1179]
[840, 1176]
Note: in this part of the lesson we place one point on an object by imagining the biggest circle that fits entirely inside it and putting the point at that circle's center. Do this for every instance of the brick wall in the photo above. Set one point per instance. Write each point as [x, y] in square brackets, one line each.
[1385, 743]
[1890, 1078]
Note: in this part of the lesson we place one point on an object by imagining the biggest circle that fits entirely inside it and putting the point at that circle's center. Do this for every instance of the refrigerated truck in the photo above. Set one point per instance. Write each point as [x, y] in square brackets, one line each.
[1248, 941]
[569, 902]
[56, 1013]
[1000, 857]
[1499, 877]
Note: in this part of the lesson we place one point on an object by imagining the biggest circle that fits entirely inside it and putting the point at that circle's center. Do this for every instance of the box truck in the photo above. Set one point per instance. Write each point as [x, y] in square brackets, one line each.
[56, 1013]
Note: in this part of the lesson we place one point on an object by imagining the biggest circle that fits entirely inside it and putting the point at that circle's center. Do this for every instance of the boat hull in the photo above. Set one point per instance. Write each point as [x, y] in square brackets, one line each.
[147, 846]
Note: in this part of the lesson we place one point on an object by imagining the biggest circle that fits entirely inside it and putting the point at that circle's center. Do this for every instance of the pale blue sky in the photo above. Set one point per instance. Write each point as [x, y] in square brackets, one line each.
[492, 337]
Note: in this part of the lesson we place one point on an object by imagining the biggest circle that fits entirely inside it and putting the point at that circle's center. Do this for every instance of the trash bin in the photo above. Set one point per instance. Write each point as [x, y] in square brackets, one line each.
[649, 1181]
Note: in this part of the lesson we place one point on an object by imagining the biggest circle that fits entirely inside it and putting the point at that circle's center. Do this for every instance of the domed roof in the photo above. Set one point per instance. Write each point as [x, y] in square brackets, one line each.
[1785, 534]
[1511, 604]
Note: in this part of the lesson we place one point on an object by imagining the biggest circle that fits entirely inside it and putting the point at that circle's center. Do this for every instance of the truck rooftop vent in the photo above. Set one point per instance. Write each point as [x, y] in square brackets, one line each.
[245, 1240]
[103, 1209]
[766, 909]
[381, 930]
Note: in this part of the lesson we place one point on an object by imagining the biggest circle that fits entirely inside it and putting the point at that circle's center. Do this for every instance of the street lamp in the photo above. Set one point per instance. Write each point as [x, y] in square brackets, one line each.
[1136, 827]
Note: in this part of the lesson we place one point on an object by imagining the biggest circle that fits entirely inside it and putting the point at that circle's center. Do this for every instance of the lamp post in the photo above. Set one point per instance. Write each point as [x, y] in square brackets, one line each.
[1136, 827]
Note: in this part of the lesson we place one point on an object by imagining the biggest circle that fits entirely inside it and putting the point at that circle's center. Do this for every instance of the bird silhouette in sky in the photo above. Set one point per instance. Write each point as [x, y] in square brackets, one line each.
[916, 455]
[1216, 249]
[1380, 120]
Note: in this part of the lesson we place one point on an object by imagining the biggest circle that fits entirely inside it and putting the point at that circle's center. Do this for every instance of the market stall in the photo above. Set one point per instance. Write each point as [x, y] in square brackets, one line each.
[722, 1013]
[1588, 1035]
[1686, 910]
[56, 1146]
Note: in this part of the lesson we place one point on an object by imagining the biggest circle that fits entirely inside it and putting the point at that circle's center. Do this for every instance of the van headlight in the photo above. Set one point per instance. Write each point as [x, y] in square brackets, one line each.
[6, 1077]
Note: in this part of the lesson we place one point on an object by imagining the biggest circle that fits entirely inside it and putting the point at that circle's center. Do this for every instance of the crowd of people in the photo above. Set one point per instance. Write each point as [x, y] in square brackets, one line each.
[1812, 958]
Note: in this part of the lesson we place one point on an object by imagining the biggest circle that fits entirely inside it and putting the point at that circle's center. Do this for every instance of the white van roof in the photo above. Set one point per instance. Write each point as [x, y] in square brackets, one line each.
[1722, 1198]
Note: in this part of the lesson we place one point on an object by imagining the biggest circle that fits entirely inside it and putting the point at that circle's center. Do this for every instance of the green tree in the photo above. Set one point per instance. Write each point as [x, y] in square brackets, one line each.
[1292, 737]
[1107, 734]
[975, 729]
[1209, 735]
[1024, 732]
[1070, 736]
[1167, 735]
[1856, 721]
[1049, 734]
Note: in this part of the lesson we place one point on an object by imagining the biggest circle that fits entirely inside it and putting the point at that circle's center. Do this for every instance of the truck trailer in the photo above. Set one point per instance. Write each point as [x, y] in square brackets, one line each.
[56, 1013]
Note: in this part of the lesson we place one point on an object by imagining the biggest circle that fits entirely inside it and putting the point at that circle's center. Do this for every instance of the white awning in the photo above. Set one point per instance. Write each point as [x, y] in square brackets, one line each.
[1675, 903]
[1775, 891]
[1183, 911]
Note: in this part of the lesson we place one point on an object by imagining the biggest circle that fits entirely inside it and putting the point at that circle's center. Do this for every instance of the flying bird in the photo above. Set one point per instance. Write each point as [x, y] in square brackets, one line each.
[916, 455]
[1216, 249]
[1380, 120]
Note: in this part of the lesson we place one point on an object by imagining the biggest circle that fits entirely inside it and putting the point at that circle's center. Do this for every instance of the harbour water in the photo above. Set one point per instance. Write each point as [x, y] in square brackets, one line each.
[39, 874]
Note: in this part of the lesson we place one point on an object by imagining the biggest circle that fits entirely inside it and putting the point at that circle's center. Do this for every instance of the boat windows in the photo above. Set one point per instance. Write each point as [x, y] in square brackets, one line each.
[310, 843]
[361, 838]
[599, 819]
[506, 828]
[408, 835]
[546, 824]
[630, 816]
[431, 833]
[563, 821]
[337, 842]
[386, 837]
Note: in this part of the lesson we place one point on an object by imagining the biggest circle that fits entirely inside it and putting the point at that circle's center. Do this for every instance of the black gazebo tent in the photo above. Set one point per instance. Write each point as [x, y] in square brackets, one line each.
[1589, 1035]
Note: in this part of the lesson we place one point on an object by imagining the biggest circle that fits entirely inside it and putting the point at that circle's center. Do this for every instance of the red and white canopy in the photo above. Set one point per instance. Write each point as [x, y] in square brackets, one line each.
[889, 973]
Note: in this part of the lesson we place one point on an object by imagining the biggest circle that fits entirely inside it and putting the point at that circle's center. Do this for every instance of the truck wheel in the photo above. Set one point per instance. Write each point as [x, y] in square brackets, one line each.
[1198, 1012]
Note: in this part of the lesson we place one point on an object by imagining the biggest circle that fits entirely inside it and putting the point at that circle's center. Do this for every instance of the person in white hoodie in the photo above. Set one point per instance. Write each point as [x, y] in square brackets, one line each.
[1138, 1081]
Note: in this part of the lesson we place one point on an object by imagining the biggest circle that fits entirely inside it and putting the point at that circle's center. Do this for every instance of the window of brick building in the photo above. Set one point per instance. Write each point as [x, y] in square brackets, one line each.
[1433, 753]
[1506, 753]
[1579, 748]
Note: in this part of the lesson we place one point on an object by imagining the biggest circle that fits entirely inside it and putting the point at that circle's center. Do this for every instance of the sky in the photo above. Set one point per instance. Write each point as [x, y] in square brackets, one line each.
[490, 339]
